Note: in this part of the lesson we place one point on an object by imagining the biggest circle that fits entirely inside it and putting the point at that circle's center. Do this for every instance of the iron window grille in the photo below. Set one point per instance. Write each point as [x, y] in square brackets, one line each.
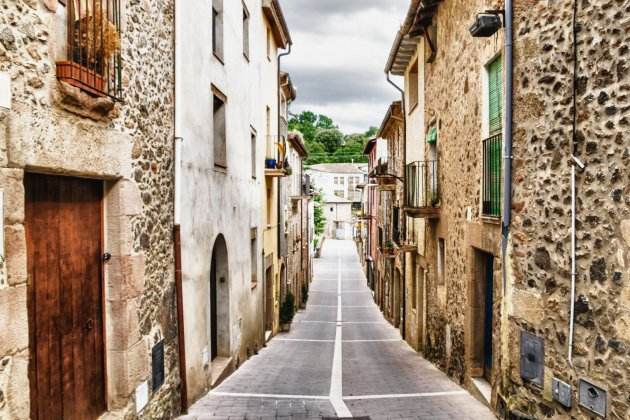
[492, 183]
[423, 188]
[93, 61]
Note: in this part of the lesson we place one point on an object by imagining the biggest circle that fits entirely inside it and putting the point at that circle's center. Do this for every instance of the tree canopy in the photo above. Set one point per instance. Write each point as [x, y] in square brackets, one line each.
[326, 143]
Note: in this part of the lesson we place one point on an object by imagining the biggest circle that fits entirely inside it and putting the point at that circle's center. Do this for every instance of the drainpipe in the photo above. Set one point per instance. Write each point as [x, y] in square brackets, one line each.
[507, 153]
[177, 245]
[574, 162]
[279, 201]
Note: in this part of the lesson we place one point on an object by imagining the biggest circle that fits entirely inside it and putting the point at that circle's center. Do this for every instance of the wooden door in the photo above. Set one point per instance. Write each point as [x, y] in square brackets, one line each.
[64, 248]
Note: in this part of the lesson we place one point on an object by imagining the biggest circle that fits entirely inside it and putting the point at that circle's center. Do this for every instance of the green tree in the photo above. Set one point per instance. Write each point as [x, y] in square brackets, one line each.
[330, 138]
[319, 219]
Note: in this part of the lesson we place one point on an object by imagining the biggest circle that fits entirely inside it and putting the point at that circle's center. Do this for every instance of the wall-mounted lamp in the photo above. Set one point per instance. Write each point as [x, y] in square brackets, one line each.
[486, 24]
[5, 91]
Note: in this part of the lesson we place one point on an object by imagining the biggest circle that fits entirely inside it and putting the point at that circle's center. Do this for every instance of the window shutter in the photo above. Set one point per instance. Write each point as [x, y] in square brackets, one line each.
[495, 96]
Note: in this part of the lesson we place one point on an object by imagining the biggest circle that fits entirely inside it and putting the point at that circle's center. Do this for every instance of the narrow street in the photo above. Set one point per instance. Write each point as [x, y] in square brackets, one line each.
[341, 359]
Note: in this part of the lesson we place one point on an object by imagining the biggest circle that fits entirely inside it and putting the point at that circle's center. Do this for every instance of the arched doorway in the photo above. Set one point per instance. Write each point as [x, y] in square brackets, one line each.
[219, 301]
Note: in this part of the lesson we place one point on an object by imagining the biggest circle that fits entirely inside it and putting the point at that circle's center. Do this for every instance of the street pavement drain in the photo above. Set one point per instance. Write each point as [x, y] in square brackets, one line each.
[341, 360]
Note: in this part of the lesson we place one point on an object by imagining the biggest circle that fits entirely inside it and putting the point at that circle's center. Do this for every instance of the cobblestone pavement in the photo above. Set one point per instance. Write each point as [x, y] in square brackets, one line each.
[341, 359]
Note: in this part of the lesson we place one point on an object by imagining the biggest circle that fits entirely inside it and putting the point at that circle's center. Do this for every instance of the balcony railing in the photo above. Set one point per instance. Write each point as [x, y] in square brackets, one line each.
[93, 47]
[492, 183]
[423, 188]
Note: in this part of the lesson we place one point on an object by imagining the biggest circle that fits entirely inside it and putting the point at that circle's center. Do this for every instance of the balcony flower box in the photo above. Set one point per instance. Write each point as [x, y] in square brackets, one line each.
[81, 77]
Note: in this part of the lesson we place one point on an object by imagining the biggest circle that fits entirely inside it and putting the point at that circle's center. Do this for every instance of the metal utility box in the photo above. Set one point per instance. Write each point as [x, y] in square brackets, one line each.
[532, 358]
[592, 397]
[561, 392]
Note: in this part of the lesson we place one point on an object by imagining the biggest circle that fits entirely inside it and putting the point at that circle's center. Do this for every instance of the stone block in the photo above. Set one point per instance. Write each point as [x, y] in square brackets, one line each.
[15, 250]
[51, 5]
[622, 324]
[122, 324]
[126, 369]
[625, 231]
[14, 379]
[123, 199]
[119, 235]
[12, 183]
[139, 363]
[125, 277]
[527, 306]
[118, 386]
[13, 319]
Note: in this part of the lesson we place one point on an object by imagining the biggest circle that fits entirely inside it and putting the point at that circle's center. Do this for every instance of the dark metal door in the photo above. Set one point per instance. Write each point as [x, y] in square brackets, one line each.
[214, 334]
[489, 300]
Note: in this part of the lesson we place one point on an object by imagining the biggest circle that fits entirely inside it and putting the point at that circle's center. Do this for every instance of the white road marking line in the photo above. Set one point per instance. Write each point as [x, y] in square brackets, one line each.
[305, 339]
[419, 395]
[278, 396]
[343, 322]
[384, 340]
[336, 378]
[345, 292]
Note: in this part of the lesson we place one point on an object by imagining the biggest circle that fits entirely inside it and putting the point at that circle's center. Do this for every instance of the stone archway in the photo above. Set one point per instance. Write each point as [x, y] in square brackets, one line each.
[219, 300]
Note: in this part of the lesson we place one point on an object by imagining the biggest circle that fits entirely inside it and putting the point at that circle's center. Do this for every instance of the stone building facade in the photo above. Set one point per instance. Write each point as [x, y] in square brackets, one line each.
[388, 176]
[505, 333]
[97, 174]
[299, 269]
[540, 246]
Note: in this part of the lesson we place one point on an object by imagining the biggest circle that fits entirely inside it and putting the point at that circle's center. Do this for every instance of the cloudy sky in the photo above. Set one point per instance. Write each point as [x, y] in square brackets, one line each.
[340, 48]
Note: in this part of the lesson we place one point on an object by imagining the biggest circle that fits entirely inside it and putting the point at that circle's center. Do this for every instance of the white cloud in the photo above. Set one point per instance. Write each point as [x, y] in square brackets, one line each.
[339, 55]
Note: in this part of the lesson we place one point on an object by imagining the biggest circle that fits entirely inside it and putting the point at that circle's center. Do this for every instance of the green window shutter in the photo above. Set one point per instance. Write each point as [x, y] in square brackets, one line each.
[495, 177]
[432, 136]
[495, 96]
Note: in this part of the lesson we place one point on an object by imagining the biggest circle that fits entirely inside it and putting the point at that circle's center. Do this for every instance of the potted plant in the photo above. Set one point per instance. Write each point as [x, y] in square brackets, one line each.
[388, 248]
[287, 311]
[270, 163]
[95, 40]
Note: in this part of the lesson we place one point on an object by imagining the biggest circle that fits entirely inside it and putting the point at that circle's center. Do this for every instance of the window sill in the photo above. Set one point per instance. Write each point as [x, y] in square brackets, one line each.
[413, 108]
[491, 220]
[219, 58]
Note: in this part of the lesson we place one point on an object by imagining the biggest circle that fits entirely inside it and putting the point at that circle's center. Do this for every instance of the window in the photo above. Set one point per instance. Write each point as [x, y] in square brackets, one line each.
[413, 86]
[254, 257]
[245, 32]
[253, 152]
[341, 180]
[270, 149]
[495, 96]
[93, 61]
[217, 28]
[336, 180]
[219, 132]
[492, 146]
[268, 44]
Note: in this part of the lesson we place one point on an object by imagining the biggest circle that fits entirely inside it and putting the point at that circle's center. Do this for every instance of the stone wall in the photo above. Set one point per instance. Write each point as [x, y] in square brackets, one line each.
[55, 128]
[541, 232]
[454, 101]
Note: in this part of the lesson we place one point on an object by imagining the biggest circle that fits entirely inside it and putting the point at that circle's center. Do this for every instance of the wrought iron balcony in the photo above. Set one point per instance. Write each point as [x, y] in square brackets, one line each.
[492, 182]
[423, 189]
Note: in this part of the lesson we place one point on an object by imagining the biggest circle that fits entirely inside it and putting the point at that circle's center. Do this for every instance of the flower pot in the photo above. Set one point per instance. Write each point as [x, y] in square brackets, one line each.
[81, 77]
[285, 327]
[270, 164]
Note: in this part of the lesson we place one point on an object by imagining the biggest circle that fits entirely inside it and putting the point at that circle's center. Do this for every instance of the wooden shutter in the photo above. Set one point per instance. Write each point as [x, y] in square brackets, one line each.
[495, 96]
